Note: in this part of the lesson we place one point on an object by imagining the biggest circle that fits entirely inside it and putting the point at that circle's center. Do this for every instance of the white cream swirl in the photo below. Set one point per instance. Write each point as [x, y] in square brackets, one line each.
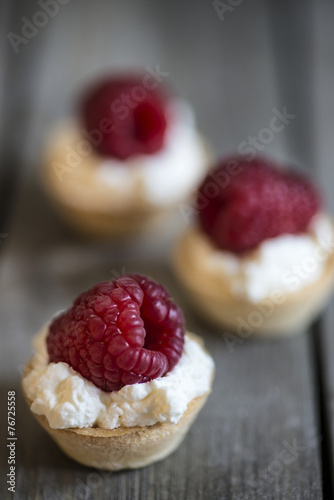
[286, 263]
[68, 400]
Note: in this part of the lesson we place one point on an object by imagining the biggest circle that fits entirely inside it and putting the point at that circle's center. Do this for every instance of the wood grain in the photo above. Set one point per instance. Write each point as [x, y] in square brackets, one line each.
[324, 129]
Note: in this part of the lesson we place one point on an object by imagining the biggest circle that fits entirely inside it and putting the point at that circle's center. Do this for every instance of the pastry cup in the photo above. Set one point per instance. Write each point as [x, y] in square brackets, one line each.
[91, 207]
[123, 447]
[102, 225]
[281, 314]
[126, 447]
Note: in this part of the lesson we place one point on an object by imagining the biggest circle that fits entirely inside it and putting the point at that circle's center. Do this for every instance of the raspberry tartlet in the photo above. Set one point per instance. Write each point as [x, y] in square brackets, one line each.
[115, 379]
[131, 156]
[259, 259]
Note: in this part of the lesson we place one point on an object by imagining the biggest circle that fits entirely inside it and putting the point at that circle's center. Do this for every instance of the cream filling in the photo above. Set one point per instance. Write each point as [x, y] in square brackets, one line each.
[69, 400]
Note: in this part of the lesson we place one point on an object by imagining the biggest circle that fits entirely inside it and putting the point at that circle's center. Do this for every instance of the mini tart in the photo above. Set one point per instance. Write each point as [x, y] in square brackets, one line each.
[213, 299]
[93, 207]
[123, 447]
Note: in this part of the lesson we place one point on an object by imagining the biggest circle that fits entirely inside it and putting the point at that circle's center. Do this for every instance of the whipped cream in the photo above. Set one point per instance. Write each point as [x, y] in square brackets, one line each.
[169, 174]
[69, 400]
[286, 263]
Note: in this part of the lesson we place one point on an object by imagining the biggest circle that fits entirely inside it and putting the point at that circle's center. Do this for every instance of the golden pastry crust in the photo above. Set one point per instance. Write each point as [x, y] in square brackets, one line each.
[103, 225]
[124, 447]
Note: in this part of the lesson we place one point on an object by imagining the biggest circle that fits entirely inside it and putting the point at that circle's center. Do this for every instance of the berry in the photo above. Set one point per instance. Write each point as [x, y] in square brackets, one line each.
[126, 118]
[119, 333]
[244, 203]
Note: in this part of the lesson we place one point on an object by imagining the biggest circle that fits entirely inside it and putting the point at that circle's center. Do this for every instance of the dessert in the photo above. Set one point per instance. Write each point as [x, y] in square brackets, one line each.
[130, 158]
[114, 379]
[260, 258]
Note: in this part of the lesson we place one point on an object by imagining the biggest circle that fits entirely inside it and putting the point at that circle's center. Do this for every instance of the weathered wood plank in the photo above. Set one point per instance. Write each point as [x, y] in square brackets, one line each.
[324, 130]
[263, 402]
[303, 52]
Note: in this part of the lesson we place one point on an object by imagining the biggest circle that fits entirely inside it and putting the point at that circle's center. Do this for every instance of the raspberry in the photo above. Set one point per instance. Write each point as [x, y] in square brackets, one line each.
[119, 333]
[130, 120]
[255, 202]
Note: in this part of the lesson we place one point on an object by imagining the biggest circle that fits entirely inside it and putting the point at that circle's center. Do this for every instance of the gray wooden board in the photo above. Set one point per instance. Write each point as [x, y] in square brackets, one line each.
[264, 398]
[324, 130]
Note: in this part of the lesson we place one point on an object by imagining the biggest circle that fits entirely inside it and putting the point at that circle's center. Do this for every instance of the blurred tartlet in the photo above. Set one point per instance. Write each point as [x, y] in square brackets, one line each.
[260, 259]
[115, 380]
[130, 158]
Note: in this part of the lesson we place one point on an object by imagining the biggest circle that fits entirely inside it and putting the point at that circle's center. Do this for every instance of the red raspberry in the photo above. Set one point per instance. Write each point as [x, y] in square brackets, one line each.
[136, 117]
[119, 333]
[253, 202]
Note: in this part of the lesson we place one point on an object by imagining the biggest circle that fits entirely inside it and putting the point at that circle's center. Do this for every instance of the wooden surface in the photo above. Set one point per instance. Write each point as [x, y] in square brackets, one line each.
[267, 396]
[324, 127]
